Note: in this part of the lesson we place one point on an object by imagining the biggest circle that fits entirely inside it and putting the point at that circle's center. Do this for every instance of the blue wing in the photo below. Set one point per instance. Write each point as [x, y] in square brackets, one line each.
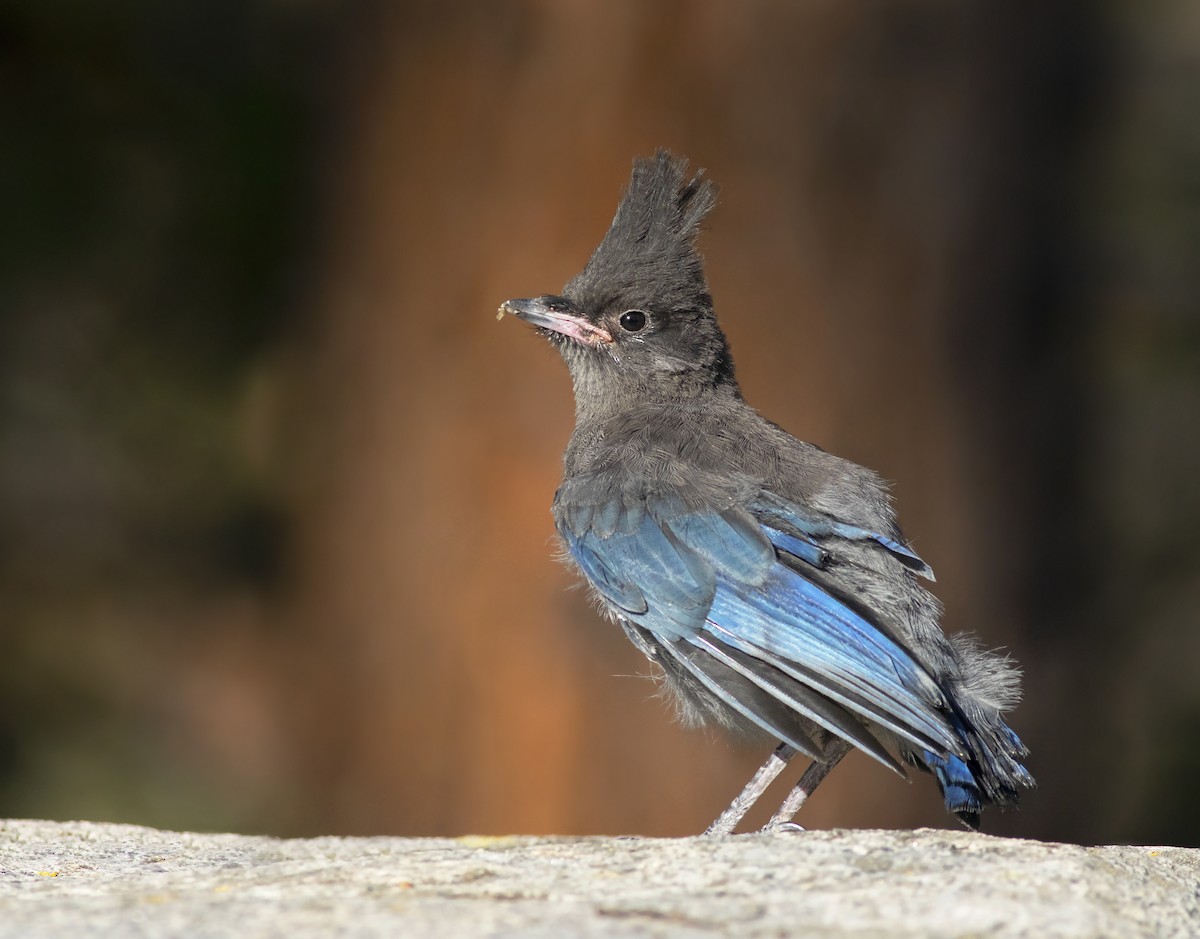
[809, 526]
[722, 594]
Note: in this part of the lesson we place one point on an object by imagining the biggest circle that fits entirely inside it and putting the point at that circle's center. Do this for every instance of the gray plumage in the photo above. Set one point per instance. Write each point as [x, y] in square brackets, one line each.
[767, 578]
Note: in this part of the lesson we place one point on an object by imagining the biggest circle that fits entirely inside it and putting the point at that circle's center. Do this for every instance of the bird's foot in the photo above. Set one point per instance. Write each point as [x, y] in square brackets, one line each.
[728, 820]
[781, 828]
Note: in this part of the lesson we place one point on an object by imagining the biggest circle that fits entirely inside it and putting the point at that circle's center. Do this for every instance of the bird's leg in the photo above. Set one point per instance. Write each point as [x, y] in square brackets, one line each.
[727, 821]
[817, 770]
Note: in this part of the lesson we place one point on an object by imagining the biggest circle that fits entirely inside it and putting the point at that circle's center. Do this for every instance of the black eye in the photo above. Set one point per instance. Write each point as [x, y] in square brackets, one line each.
[633, 321]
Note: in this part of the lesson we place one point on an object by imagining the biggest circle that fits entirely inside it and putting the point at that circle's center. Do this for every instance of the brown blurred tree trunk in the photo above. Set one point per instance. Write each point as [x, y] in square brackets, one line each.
[866, 260]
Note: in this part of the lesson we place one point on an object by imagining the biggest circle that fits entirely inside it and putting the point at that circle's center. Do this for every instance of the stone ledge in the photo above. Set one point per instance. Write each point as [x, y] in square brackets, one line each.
[82, 879]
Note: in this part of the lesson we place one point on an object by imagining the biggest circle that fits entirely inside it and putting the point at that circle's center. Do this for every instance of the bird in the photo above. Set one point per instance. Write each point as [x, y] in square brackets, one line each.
[766, 578]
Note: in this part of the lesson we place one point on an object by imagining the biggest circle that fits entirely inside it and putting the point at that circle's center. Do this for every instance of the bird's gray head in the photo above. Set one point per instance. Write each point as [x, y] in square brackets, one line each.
[638, 318]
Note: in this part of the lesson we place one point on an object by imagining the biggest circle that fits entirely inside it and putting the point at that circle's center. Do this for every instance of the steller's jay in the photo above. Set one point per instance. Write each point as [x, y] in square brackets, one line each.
[766, 578]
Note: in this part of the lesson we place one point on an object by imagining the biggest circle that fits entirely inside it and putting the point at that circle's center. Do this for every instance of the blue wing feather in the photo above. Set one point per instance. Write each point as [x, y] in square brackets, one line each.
[798, 546]
[716, 590]
[614, 588]
[675, 588]
[793, 620]
[682, 572]
[680, 653]
[804, 523]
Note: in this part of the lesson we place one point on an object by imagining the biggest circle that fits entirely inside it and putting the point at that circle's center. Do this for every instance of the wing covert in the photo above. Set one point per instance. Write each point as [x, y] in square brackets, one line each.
[713, 581]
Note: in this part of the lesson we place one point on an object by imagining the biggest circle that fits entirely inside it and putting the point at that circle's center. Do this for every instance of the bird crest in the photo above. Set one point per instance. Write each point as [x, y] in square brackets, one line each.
[652, 236]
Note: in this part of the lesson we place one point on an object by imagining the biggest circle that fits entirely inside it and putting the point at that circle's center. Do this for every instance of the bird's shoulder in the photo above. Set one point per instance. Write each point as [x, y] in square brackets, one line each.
[705, 456]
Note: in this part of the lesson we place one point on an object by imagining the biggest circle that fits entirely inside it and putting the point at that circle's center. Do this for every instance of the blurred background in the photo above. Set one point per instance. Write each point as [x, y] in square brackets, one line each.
[275, 543]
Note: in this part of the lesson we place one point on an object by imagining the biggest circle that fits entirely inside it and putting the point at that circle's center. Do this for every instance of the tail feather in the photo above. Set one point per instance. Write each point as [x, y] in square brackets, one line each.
[958, 786]
[993, 775]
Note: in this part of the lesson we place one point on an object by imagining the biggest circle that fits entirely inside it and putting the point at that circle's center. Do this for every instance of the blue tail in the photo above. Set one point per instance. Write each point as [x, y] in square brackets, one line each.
[988, 778]
[959, 788]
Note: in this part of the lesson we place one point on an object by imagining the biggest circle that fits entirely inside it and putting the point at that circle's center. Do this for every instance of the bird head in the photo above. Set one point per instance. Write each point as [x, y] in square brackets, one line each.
[640, 313]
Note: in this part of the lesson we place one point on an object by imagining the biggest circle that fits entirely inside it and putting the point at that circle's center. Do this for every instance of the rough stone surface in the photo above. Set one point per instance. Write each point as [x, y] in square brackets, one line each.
[84, 879]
